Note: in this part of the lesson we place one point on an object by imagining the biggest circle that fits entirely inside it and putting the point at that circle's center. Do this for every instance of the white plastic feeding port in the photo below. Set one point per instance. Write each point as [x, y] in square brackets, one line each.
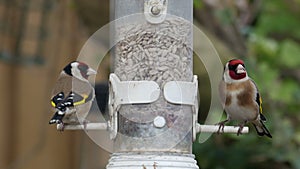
[185, 93]
[128, 92]
[133, 92]
[180, 92]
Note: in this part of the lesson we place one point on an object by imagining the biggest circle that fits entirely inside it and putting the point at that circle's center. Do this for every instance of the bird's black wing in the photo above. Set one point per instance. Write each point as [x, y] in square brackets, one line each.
[259, 102]
[75, 99]
[57, 99]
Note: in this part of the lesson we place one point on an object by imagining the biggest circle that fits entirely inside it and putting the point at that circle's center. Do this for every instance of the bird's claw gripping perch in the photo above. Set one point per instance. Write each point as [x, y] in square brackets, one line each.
[60, 126]
[241, 126]
[221, 126]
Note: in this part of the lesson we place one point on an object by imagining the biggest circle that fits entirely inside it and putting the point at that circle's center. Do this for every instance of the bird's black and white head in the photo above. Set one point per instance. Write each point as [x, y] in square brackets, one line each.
[235, 71]
[79, 70]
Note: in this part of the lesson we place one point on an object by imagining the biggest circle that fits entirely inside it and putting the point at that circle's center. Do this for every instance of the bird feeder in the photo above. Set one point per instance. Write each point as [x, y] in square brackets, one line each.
[153, 93]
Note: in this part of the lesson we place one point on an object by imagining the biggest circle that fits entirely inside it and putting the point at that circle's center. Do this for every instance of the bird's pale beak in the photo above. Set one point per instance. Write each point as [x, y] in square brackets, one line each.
[240, 69]
[91, 71]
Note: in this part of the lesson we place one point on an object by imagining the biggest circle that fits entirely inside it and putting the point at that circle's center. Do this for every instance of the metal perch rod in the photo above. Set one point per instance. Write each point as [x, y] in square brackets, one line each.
[200, 128]
[215, 128]
[88, 126]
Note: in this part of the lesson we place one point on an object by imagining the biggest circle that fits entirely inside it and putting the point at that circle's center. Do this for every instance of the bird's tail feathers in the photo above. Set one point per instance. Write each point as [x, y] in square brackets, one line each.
[261, 129]
[262, 117]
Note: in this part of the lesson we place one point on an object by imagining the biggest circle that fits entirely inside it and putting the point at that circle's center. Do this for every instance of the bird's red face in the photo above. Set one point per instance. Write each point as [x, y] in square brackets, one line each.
[237, 69]
[85, 70]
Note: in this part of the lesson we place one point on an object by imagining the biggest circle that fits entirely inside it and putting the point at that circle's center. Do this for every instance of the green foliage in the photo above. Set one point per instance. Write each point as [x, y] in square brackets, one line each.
[226, 16]
[289, 54]
[263, 47]
[274, 53]
[198, 4]
[280, 17]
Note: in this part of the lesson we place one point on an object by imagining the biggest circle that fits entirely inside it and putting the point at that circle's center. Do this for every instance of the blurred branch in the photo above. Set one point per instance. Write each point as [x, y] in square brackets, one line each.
[229, 20]
[93, 14]
[293, 5]
[278, 36]
[291, 73]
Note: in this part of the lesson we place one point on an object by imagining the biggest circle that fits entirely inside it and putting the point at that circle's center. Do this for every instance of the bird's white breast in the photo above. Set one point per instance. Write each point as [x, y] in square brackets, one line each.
[236, 111]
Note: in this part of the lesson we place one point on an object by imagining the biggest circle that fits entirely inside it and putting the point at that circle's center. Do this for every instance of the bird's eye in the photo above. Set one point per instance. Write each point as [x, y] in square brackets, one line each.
[231, 67]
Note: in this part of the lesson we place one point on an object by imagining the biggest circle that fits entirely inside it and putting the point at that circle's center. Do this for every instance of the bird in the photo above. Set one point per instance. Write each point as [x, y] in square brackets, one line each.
[72, 95]
[241, 99]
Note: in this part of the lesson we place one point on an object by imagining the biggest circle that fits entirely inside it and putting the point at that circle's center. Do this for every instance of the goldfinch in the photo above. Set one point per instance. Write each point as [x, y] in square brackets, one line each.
[72, 95]
[241, 99]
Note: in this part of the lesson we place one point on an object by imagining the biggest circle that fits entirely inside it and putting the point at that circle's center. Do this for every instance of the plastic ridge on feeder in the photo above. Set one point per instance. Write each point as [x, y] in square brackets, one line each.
[151, 160]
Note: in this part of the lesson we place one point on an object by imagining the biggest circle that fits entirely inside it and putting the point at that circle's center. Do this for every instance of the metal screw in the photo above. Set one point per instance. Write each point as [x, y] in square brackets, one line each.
[155, 10]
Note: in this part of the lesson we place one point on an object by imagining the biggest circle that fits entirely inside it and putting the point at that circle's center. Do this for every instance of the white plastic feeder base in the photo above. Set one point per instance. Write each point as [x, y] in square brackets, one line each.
[152, 161]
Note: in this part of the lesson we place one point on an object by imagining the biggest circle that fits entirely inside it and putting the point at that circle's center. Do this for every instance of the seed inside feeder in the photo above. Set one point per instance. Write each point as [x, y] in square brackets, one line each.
[160, 53]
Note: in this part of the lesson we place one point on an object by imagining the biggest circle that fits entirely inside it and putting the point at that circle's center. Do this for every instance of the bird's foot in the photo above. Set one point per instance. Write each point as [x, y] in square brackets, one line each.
[241, 126]
[221, 126]
[60, 126]
[85, 122]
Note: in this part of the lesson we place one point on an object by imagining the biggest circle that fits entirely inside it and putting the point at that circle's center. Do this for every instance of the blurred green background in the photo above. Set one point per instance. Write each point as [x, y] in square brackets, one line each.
[266, 35]
[38, 37]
